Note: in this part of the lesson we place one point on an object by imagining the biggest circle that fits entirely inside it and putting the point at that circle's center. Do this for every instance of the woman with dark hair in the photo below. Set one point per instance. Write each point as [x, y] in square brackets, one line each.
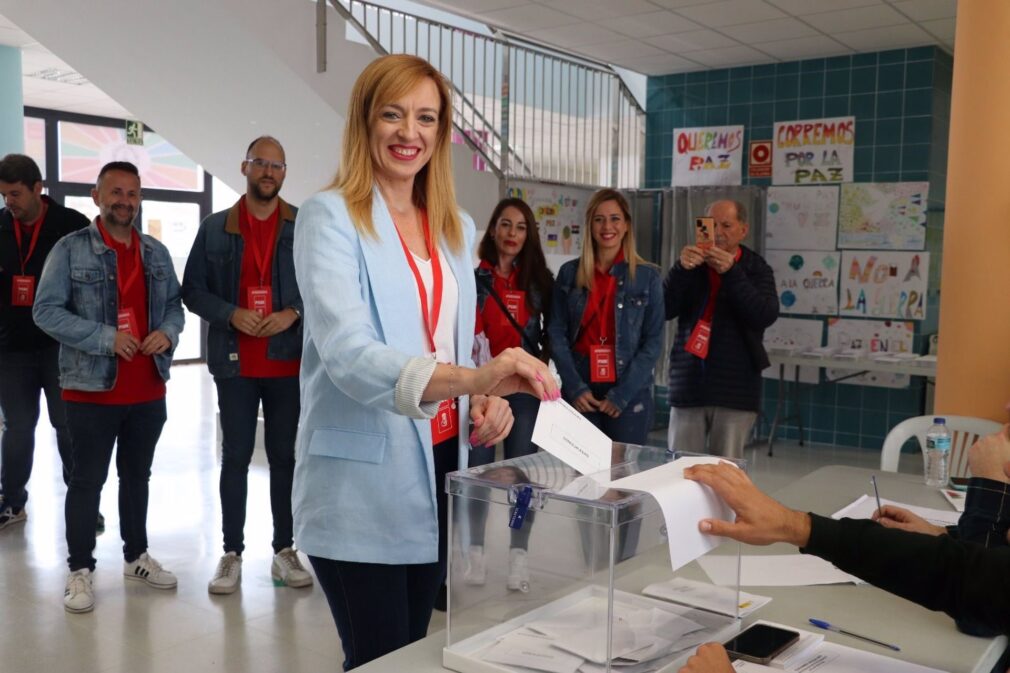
[606, 329]
[514, 289]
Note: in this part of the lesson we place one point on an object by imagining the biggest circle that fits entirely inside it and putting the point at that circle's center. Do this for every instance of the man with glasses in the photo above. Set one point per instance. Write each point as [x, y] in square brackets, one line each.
[240, 278]
[30, 225]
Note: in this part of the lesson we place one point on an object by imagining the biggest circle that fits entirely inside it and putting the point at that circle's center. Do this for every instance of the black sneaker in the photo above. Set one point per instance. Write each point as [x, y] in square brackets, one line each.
[9, 516]
[100, 524]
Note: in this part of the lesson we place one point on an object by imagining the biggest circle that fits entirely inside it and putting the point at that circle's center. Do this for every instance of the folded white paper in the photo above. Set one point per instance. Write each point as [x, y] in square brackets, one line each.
[566, 434]
[531, 650]
[684, 503]
[864, 506]
[956, 499]
[785, 570]
[706, 596]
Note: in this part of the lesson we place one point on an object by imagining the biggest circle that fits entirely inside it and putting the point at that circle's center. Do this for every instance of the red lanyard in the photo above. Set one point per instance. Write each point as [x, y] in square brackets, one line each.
[605, 291]
[35, 237]
[262, 259]
[430, 320]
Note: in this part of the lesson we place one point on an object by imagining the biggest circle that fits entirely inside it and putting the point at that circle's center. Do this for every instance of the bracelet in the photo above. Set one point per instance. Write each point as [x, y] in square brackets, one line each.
[297, 312]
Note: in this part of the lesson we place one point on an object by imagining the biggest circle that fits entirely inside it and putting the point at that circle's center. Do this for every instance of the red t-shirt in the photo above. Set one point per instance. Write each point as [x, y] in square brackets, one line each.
[258, 235]
[493, 322]
[598, 321]
[138, 380]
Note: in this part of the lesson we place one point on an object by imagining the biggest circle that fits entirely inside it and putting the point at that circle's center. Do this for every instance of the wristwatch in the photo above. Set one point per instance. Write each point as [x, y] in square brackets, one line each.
[297, 312]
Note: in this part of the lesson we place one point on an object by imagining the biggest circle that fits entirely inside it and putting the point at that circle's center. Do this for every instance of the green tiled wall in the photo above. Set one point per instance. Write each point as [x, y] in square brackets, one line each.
[901, 102]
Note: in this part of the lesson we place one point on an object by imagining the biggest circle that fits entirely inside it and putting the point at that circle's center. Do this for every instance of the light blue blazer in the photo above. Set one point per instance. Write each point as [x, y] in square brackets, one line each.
[364, 485]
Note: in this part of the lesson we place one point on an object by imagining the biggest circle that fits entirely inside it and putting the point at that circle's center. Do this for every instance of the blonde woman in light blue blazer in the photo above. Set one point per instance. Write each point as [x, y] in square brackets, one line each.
[383, 261]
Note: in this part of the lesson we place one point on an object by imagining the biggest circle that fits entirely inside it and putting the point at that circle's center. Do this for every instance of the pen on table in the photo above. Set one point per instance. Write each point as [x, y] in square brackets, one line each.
[831, 627]
[876, 493]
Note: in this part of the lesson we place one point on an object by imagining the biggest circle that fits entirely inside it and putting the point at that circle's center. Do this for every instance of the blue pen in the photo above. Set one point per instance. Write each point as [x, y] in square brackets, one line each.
[831, 627]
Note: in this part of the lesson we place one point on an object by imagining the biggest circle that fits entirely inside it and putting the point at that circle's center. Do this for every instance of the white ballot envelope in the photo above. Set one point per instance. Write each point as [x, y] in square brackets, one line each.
[565, 433]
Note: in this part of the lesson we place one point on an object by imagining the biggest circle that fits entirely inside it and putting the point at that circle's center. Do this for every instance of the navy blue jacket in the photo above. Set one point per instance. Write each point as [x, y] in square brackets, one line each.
[638, 313]
[210, 287]
[745, 306]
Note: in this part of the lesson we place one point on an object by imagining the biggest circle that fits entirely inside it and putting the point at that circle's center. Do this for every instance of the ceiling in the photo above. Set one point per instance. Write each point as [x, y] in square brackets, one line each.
[50, 83]
[648, 36]
[657, 37]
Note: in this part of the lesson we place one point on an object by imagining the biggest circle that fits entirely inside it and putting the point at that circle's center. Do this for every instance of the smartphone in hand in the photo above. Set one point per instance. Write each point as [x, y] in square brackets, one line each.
[704, 232]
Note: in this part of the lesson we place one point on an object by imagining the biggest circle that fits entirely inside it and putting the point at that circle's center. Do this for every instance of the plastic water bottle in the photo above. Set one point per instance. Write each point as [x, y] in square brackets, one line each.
[937, 453]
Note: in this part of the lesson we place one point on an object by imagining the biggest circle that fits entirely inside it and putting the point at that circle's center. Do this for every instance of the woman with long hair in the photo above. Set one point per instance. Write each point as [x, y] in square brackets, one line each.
[382, 259]
[606, 326]
[514, 289]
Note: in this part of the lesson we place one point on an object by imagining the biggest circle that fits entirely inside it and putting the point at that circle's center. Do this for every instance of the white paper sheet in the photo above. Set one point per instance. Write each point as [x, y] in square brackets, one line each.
[835, 658]
[956, 499]
[531, 650]
[684, 503]
[565, 433]
[785, 570]
[706, 596]
[864, 506]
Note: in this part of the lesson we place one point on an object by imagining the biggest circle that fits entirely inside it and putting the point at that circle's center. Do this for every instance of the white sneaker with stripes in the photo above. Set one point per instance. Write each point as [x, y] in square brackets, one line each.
[146, 569]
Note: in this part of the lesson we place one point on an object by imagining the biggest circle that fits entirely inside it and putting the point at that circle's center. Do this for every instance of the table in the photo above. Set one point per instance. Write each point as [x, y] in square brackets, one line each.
[927, 638]
[857, 367]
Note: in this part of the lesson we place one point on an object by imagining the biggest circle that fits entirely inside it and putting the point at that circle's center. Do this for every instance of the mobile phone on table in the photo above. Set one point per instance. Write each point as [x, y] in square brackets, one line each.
[704, 232]
[760, 643]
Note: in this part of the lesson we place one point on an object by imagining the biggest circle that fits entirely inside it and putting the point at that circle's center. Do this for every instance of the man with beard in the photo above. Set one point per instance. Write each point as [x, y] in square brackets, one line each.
[30, 225]
[110, 296]
[240, 278]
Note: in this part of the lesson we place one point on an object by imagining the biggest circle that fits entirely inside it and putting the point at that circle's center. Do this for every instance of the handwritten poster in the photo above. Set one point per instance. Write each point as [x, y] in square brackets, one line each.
[804, 218]
[813, 151]
[871, 336]
[884, 284]
[560, 213]
[707, 156]
[806, 280]
[793, 335]
[883, 216]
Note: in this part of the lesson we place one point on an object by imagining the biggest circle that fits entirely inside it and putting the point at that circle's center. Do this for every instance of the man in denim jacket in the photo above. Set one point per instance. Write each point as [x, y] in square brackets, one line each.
[240, 278]
[109, 295]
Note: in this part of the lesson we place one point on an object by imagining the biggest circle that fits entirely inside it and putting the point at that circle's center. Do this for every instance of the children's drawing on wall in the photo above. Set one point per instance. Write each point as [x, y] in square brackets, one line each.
[791, 336]
[871, 337]
[884, 284]
[560, 212]
[887, 215]
[806, 280]
[804, 218]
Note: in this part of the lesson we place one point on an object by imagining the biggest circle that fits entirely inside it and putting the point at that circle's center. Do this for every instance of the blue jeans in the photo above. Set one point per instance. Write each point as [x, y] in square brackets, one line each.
[518, 443]
[23, 377]
[133, 429]
[380, 607]
[634, 423]
[238, 400]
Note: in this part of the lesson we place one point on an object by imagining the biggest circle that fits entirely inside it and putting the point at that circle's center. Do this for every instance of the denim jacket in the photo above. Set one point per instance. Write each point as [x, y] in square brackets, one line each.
[211, 282]
[77, 303]
[638, 313]
[532, 332]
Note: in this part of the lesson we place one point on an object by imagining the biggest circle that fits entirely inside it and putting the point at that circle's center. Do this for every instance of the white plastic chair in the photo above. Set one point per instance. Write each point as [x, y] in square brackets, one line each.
[964, 430]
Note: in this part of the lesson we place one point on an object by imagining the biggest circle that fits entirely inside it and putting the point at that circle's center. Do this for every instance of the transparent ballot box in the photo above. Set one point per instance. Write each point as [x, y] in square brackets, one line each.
[563, 591]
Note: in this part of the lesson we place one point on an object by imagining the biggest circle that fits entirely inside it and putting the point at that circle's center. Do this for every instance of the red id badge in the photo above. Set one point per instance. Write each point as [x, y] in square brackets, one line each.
[127, 322]
[514, 300]
[260, 299]
[601, 364]
[23, 291]
[445, 425]
[697, 344]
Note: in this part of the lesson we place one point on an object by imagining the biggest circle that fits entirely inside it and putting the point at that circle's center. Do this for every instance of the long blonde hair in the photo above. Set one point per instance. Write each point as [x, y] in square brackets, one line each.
[587, 262]
[381, 82]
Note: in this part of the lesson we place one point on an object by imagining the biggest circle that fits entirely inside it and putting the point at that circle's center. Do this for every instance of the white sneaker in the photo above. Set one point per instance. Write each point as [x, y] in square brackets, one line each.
[519, 572]
[146, 569]
[79, 596]
[288, 568]
[476, 569]
[228, 575]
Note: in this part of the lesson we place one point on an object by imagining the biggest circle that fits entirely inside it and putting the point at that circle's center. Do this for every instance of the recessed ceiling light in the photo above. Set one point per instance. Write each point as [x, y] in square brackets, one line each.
[61, 76]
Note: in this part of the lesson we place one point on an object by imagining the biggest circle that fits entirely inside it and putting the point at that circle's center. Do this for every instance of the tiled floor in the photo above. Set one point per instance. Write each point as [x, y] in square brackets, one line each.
[262, 627]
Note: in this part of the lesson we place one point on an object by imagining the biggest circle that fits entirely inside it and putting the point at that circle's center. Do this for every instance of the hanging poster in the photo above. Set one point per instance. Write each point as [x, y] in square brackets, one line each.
[707, 156]
[793, 335]
[813, 151]
[884, 284]
[804, 218]
[871, 336]
[806, 280]
[883, 216]
[560, 212]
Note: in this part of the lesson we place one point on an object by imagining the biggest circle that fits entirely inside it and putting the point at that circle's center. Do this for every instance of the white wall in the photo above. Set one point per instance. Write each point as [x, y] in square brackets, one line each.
[211, 76]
